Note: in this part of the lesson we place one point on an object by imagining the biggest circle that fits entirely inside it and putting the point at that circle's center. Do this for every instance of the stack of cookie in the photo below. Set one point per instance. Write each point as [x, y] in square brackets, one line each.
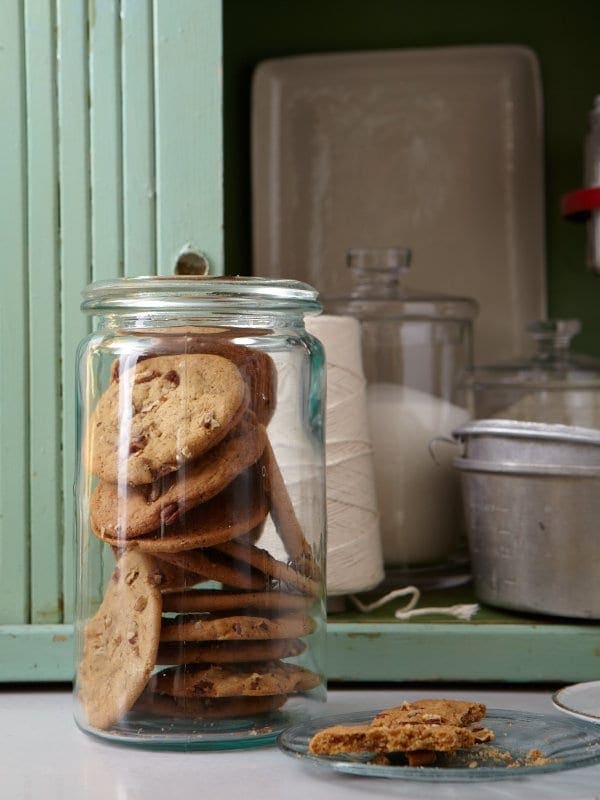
[418, 731]
[187, 478]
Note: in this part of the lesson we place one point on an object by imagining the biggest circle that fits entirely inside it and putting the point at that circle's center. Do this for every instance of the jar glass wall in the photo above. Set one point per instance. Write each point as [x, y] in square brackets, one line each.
[200, 512]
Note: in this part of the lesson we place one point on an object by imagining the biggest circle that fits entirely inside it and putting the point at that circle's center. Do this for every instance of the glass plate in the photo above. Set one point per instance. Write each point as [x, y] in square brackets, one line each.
[581, 700]
[564, 744]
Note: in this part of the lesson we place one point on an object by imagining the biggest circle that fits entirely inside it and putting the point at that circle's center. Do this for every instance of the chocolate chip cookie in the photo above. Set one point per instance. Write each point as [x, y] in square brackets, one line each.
[117, 512]
[256, 367]
[239, 508]
[120, 642]
[163, 413]
[227, 680]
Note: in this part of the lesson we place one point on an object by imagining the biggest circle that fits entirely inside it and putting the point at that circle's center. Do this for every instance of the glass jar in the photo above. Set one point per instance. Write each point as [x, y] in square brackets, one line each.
[415, 346]
[553, 385]
[200, 592]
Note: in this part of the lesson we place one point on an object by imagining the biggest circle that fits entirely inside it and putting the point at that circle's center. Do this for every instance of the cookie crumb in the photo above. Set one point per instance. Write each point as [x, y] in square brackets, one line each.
[209, 421]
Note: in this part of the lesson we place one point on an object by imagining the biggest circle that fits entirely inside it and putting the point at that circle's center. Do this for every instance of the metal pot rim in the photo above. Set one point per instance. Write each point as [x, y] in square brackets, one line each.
[528, 430]
[515, 468]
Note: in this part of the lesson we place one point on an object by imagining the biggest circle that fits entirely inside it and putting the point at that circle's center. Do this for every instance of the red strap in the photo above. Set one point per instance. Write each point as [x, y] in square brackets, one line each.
[578, 204]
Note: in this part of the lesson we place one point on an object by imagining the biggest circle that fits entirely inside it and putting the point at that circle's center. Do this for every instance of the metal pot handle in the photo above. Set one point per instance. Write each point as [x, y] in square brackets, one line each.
[443, 440]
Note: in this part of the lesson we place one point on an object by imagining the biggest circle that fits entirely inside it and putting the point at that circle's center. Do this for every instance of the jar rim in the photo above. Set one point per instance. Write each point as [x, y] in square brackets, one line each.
[202, 292]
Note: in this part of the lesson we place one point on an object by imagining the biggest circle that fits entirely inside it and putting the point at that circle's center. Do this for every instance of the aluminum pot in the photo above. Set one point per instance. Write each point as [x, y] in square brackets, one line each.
[533, 516]
[510, 441]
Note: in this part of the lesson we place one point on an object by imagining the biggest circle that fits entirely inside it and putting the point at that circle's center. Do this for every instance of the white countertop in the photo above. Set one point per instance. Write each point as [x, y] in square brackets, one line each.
[43, 755]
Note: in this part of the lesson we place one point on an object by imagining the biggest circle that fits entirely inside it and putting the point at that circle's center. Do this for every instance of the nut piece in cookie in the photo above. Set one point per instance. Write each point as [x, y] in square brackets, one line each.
[162, 413]
[171, 578]
[120, 642]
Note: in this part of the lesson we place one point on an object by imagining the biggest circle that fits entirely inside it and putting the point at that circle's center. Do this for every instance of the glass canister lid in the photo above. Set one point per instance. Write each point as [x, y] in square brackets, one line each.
[379, 290]
[554, 385]
[552, 366]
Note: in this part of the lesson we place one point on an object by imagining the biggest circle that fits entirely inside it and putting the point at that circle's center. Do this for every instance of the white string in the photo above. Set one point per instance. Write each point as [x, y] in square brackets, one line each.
[366, 608]
[462, 611]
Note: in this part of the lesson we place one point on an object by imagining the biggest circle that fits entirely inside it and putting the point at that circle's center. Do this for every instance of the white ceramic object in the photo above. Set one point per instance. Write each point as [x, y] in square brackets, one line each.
[581, 700]
[440, 150]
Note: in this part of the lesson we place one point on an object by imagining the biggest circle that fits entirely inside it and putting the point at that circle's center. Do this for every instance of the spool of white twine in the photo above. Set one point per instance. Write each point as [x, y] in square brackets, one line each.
[354, 558]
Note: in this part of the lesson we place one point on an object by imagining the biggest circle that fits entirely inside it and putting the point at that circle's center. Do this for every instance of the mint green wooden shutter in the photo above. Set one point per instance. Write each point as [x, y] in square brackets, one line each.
[111, 164]
[14, 323]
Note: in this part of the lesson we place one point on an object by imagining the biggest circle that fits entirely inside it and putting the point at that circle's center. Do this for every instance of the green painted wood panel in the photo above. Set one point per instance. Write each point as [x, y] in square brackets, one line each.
[14, 377]
[139, 188]
[100, 100]
[36, 653]
[365, 652]
[450, 652]
[106, 156]
[44, 314]
[189, 160]
[106, 178]
[75, 243]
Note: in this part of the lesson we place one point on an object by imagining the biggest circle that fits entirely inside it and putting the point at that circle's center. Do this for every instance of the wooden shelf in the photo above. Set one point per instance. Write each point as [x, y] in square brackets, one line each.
[493, 646]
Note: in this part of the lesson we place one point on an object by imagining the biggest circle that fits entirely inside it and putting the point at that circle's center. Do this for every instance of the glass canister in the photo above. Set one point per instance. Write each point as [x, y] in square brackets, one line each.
[200, 590]
[415, 346]
[553, 385]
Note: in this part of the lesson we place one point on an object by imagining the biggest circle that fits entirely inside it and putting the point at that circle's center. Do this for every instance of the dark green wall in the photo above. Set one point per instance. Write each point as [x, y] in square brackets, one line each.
[565, 34]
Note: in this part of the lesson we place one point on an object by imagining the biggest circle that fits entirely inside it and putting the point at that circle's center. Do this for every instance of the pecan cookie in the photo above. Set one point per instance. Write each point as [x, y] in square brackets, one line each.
[228, 652]
[432, 711]
[118, 513]
[201, 629]
[171, 578]
[219, 600]
[207, 707]
[163, 413]
[419, 730]
[256, 367]
[262, 560]
[403, 738]
[285, 519]
[225, 680]
[340, 739]
[120, 642]
[216, 566]
[239, 508]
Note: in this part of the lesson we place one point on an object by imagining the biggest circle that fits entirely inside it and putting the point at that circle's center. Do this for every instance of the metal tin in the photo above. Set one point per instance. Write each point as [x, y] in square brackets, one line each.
[531, 495]
[503, 440]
